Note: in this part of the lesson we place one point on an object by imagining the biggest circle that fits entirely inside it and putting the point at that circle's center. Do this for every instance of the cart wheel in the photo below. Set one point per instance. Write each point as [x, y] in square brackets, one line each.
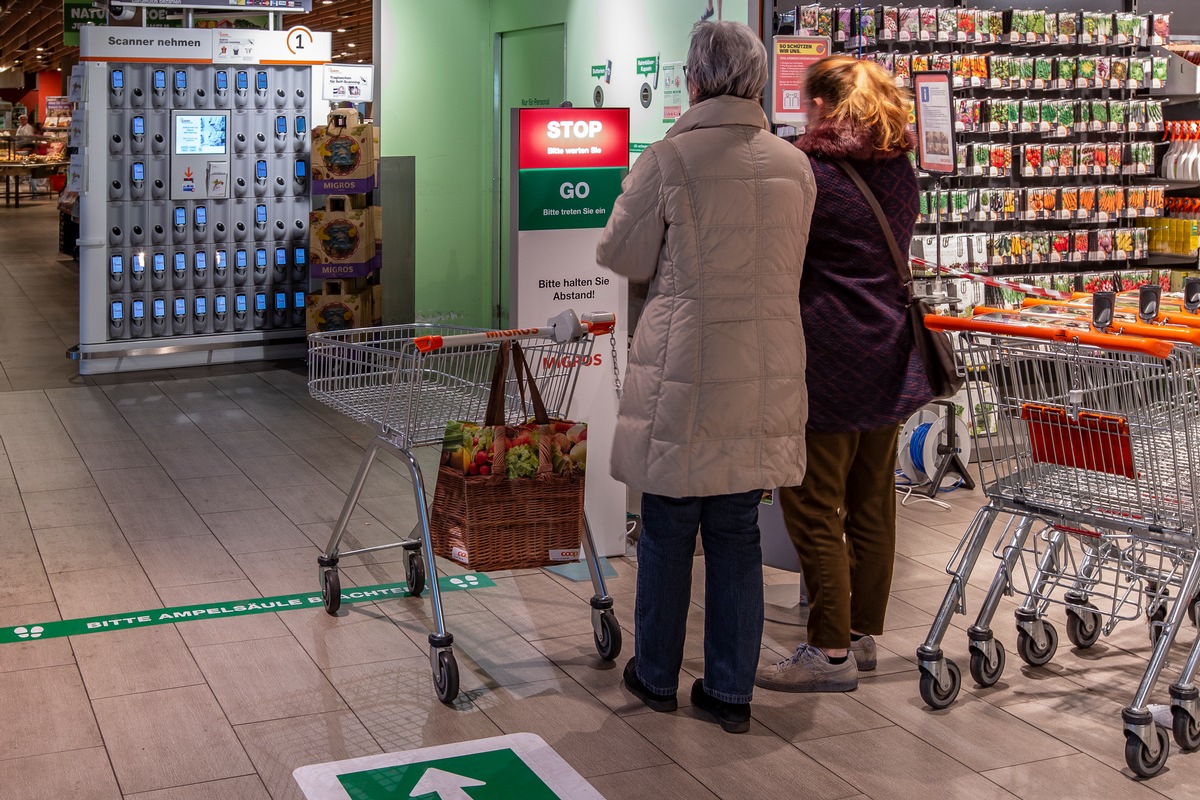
[1193, 609]
[414, 572]
[1029, 652]
[1083, 626]
[445, 680]
[933, 695]
[1186, 729]
[331, 589]
[983, 674]
[1138, 759]
[608, 638]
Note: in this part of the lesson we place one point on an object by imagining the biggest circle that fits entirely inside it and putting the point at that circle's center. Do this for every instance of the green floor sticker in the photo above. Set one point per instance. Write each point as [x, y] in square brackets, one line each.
[232, 608]
[501, 774]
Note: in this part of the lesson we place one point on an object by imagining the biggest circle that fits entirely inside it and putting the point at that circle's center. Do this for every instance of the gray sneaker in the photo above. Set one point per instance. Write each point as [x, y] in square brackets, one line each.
[809, 670]
[865, 653]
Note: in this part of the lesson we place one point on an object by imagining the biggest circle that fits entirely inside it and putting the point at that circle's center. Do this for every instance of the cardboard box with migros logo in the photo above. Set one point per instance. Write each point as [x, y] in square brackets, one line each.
[345, 159]
[342, 240]
[340, 305]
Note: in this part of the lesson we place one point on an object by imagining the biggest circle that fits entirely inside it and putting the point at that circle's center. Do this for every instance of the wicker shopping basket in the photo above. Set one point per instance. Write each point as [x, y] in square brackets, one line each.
[491, 522]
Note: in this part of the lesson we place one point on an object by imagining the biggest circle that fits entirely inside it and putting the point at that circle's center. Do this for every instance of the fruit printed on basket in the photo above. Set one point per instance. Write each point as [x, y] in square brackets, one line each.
[468, 446]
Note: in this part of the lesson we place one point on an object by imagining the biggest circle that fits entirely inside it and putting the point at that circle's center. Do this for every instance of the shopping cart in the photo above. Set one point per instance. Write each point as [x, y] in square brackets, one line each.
[1093, 437]
[407, 381]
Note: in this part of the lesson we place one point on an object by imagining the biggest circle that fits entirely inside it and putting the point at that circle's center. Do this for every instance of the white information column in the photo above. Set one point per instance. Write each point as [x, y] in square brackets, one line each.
[567, 169]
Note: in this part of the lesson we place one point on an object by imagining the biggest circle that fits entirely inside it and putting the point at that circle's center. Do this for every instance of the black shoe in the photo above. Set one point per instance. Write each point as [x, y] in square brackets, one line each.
[733, 717]
[653, 700]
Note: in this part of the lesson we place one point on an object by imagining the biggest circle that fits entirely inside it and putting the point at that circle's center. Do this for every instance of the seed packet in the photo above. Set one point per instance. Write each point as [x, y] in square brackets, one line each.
[1020, 23]
[1158, 70]
[1116, 156]
[1101, 159]
[1050, 157]
[807, 20]
[999, 68]
[1141, 242]
[1039, 247]
[909, 20]
[845, 24]
[825, 21]
[967, 114]
[1031, 112]
[889, 24]
[1123, 241]
[979, 66]
[1104, 243]
[1117, 111]
[1160, 28]
[1154, 112]
[1066, 68]
[1000, 158]
[1142, 154]
[1051, 26]
[1083, 112]
[902, 67]
[1105, 25]
[1120, 69]
[1067, 157]
[1049, 201]
[1032, 156]
[1068, 25]
[1100, 112]
[1103, 70]
[968, 21]
[1069, 199]
[981, 157]
[1128, 26]
[1026, 65]
[1087, 199]
[1060, 245]
[995, 24]
[1097, 27]
[1137, 70]
[1081, 245]
[1043, 68]
[947, 24]
[1037, 24]
[941, 62]
[1014, 114]
[929, 23]
[1136, 116]
[960, 202]
[1087, 68]
[867, 25]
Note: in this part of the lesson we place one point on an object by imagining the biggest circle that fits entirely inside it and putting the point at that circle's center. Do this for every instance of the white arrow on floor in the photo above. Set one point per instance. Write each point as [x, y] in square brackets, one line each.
[445, 785]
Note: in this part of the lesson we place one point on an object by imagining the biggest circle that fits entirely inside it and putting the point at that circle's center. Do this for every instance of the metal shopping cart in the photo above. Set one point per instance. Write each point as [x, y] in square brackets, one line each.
[1094, 437]
[407, 381]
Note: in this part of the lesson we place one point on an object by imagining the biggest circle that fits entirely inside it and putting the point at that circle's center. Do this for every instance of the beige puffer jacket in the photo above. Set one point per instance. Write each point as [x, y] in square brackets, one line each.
[715, 218]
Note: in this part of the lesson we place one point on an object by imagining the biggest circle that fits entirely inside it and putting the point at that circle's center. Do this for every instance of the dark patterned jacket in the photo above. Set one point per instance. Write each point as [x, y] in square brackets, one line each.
[863, 372]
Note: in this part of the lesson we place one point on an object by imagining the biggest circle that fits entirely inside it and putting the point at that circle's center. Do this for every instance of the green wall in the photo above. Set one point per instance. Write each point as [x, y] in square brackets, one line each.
[436, 104]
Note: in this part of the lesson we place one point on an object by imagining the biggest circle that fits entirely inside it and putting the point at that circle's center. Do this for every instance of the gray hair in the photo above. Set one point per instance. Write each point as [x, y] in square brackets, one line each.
[726, 58]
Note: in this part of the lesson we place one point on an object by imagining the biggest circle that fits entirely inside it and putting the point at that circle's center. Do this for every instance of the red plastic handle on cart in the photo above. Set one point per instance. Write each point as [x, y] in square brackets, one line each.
[1126, 344]
[426, 343]
[1132, 327]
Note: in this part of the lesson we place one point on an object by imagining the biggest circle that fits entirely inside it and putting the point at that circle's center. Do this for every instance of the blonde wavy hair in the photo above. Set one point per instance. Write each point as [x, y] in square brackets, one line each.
[861, 94]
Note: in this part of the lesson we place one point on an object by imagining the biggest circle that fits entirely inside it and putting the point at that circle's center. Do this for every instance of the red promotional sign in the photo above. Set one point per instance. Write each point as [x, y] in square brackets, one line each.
[573, 138]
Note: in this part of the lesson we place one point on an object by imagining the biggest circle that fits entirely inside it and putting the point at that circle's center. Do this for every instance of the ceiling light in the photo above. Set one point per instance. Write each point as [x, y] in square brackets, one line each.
[40, 49]
[326, 2]
[351, 44]
[361, 60]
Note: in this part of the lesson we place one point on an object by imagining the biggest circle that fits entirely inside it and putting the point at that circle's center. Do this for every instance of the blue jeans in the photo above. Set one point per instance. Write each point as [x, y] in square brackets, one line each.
[733, 591]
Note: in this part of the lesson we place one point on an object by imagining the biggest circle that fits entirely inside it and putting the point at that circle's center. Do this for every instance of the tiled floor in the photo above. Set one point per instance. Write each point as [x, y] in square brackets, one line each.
[198, 486]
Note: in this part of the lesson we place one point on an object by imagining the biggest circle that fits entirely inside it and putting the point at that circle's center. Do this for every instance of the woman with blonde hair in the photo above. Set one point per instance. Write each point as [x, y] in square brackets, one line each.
[863, 376]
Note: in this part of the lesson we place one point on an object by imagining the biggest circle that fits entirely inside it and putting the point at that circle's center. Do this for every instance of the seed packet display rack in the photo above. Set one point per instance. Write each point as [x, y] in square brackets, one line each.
[406, 382]
[1091, 101]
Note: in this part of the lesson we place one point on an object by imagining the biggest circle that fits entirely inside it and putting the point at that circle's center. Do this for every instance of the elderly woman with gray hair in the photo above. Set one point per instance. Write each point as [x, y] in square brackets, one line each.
[714, 218]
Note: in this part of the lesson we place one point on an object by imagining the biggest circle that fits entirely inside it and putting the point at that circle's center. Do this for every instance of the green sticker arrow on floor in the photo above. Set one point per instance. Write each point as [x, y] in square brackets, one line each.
[519, 766]
[231, 608]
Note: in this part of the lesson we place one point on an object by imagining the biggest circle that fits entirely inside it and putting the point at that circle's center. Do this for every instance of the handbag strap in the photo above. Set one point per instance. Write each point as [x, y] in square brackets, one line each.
[495, 413]
[901, 262]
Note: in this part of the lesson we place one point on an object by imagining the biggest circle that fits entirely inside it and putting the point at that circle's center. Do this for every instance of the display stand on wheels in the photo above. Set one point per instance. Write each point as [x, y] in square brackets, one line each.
[407, 382]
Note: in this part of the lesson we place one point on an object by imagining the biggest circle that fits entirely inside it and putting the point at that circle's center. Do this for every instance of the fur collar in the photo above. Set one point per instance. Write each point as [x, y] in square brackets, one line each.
[844, 139]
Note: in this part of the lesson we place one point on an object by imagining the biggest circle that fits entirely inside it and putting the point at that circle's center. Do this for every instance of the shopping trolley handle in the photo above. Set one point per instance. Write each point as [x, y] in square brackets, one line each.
[565, 327]
[1013, 326]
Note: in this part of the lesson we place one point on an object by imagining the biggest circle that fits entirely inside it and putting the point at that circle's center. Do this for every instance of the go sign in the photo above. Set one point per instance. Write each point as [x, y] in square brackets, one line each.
[569, 190]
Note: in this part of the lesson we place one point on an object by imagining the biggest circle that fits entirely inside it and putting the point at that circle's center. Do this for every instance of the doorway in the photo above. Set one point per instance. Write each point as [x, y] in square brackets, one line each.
[530, 72]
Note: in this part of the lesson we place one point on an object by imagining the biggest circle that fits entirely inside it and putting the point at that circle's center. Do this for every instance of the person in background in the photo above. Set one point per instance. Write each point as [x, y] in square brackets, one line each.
[864, 376]
[714, 218]
[25, 134]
